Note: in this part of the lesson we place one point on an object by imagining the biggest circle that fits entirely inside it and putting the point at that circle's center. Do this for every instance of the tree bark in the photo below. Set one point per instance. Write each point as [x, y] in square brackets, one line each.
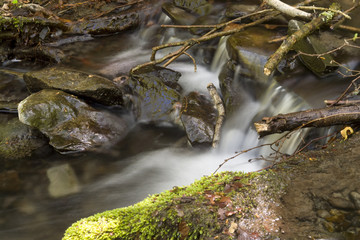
[324, 117]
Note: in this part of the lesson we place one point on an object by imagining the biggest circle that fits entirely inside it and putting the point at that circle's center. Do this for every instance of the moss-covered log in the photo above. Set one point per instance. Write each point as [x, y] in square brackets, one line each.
[216, 207]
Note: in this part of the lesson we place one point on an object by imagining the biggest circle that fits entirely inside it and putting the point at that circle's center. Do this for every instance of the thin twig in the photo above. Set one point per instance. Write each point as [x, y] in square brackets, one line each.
[324, 9]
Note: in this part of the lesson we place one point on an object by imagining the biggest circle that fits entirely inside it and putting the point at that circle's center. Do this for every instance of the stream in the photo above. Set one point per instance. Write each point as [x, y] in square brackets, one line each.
[147, 161]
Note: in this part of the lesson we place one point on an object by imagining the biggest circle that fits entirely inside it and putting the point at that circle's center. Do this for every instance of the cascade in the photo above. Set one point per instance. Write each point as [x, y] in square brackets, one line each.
[135, 176]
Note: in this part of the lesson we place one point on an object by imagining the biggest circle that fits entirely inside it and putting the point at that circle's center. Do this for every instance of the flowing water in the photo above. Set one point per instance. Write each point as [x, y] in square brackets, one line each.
[143, 164]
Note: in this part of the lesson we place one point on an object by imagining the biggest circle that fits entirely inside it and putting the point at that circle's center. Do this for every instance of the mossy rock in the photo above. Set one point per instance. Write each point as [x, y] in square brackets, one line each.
[70, 124]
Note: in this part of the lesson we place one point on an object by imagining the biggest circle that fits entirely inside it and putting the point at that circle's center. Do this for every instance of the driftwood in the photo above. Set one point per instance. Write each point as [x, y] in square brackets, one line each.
[324, 117]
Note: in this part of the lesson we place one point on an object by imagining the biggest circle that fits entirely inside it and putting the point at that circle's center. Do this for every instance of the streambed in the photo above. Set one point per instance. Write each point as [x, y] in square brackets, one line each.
[146, 161]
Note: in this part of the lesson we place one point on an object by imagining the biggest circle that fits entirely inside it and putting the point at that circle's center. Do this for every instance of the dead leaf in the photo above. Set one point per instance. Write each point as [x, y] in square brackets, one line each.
[183, 229]
[347, 131]
[233, 227]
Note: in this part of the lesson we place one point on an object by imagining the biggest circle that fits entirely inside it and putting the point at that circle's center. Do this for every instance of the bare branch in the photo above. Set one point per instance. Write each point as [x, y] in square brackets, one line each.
[288, 10]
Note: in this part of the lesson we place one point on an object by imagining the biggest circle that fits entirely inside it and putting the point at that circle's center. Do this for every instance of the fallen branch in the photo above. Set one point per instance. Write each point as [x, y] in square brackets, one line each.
[187, 44]
[219, 105]
[324, 117]
[287, 9]
[288, 44]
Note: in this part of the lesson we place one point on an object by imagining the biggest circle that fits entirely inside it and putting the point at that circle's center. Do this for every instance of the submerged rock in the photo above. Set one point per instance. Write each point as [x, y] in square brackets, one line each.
[198, 117]
[156, 91]
[69, 123]
[82, 84]
[63, 181]
[10, 181]
[18, 140]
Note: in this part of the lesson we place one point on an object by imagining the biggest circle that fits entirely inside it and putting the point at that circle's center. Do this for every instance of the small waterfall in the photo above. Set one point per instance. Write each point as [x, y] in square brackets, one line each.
[158, 170]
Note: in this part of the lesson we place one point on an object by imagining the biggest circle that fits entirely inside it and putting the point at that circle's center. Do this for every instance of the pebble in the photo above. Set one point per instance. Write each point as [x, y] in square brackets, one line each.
[355, 198]
[342, 203]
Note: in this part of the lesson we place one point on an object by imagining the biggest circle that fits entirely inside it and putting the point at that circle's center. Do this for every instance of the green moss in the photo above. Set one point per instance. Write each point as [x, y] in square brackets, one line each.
[160, 216]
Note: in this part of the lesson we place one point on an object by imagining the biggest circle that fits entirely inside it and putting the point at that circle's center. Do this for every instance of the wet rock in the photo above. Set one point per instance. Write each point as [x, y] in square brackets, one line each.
[236, 10]
[251, 49]
[201, 7]
[156, 91]
[178, 15]
[12, 88]
[10, 181]
[313, 45]
[82, 84]
[69, 123]
[235, 91]
[105, 25]
[63, 181]
[198, 116]
[18, 140]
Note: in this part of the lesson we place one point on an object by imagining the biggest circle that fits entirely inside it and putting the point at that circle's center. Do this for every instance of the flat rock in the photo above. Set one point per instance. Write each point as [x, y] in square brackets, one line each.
[96, 88]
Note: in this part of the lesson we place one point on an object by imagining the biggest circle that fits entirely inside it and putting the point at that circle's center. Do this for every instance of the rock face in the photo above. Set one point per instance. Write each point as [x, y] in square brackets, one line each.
[156, 91]
[18, 140]
[198, 116]
[82, 84]
[70, 124]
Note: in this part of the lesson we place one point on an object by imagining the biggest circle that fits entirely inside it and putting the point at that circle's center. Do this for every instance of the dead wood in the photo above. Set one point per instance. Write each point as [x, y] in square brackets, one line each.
[219, 105]
[324, 117]
[290, 41]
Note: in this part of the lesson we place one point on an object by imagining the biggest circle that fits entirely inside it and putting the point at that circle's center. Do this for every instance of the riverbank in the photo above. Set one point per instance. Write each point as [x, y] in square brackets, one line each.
[313, 195]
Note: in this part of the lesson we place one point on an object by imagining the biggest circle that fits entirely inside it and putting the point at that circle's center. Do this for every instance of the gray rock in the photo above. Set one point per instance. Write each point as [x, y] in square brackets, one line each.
[355, 198]
[82, 84]
[69, 123]
[12, 90]
[201, 7]
[251, 49]
[18, 140]
[341, 203]
[105, 25]
[156, 91]
[198, 116]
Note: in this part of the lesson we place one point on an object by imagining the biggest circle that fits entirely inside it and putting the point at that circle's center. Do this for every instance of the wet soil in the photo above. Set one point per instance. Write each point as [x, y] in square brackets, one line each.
[317, 203]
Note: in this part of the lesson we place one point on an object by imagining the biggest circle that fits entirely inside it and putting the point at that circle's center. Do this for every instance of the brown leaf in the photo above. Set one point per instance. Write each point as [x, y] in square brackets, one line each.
[183, 230]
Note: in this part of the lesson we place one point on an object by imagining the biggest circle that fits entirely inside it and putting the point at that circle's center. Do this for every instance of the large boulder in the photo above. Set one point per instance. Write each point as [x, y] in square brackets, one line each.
[155, 92]
[82, 84]
[69, 123]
